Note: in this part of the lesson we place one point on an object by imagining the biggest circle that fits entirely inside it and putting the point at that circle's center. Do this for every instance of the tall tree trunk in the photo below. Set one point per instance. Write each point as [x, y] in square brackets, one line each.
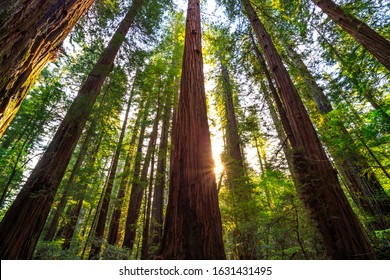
[101, 225]
[361, 181]
[282, 124]
[159, 188]
[23, 222]
[343, 235]
[31, 34]
[70, 226]
[235, 171]
[376, 44]
[64, 198]
[138, 188]
[193, 228]
[113, 233]
[146, 229]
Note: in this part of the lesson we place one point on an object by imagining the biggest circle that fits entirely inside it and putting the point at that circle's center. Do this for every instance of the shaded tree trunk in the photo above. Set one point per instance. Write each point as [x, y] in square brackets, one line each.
[376, 44]
[342, 233]
[138, 188]
[23, 222]
[361, 181]
[113, 233]
[31, 34]
[146, 231]
[101, 225]
[64, 198]
[71, 226]
[235, 171]
[193, 228]
[282, 124]
[159, 188]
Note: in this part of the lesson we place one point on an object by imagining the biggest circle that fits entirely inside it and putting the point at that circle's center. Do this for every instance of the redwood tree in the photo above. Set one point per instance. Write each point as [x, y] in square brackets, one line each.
[23, 222]
[193, 228]
[376, 44]
[31, 34]
[319, 188]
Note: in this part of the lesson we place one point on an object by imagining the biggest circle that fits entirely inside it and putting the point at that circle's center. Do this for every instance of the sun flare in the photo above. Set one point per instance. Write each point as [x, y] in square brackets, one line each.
[217, 146]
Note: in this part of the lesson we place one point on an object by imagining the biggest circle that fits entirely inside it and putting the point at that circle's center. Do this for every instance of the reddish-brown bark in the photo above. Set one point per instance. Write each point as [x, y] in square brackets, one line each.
[376, 44]
[361, 181]
[31, 34]
[23, 222]
[103, 211]
[138, 187]
[193, 228]
[320, 190]
[160, 185]
[113, 233]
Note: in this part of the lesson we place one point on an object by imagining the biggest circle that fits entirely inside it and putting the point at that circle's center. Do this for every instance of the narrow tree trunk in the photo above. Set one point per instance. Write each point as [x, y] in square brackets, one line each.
[138, 188]
[343, 235]
[113, 233]
[361, 182]
[71, 226]
[23, 222]
[193, 228]
[235, 170]
[64, 198]
[159, 188]
[101, 225]
[376, 44]
[234, 164]
[282, 124]
[31, 34]
[146, 229]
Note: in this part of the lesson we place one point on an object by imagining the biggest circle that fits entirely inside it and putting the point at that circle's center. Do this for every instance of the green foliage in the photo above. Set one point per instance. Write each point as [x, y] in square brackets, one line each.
[53, 251]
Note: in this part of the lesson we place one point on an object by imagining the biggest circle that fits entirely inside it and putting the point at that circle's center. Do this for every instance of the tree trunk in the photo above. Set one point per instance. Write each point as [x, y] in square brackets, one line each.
[193, 228]
[361, 181]
[70, 227]
[113, 233]
[23, 222]
[138, 188]
[282, 124]
[376, 44]
[146, 231]
[343, 235]
[31, 34]
[159, 188]
[64, 198]
[101, 225]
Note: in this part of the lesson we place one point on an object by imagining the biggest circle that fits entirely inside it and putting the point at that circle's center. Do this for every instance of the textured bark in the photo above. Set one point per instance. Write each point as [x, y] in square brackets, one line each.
[147, 214]
[113, 233]
[361, 181]
[193, 228]
[23, 222]
[376, 44]
[64, 197]
[101, 225]
[70, 228]
[320, 190]
[235, 171]
[159, 188]
[31, 34]
[138, 188]
[282, 124]
[234, 163]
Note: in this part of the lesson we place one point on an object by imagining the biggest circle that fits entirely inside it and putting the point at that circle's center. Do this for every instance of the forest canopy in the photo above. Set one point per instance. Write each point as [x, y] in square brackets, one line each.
[226, 129]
